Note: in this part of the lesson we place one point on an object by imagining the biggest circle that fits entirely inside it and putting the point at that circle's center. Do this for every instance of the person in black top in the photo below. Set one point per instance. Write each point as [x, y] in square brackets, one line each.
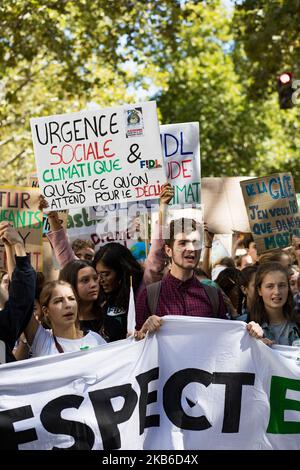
[17, 311]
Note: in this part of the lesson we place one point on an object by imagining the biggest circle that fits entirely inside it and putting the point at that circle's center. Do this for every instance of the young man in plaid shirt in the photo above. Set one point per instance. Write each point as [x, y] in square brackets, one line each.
[181, 293]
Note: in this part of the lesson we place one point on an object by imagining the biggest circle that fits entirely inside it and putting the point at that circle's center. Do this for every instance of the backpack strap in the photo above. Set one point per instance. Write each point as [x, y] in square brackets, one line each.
[153, 291]
[213, 295]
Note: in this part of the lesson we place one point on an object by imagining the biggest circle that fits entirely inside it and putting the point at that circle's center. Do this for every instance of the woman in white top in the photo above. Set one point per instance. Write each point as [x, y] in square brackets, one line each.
[60, 311]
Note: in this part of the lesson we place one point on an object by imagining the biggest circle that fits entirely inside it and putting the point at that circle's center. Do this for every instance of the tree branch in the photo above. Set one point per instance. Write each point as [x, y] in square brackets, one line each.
[15, 157]
[4, 142]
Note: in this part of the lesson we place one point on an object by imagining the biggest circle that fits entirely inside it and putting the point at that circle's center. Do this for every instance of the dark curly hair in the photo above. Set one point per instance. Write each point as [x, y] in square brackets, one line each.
[119, 258]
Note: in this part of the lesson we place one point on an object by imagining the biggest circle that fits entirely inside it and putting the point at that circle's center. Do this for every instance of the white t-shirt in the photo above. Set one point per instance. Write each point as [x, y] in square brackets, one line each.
[44, 345]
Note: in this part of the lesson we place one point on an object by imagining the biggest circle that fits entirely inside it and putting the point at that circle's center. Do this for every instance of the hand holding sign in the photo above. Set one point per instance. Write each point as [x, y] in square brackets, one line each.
[54, 221]
[167, 193]
[43, 204]
[3, 226]
[208, 236]
[9, 235]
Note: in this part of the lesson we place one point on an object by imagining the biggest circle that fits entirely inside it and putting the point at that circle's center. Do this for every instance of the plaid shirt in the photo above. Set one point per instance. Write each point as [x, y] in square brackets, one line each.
[178, 298]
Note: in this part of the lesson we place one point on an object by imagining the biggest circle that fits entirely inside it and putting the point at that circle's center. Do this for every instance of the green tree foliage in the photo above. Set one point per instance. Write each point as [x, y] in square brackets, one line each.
[57, 56]
[209, 82]
[267, 43]
[269, 32]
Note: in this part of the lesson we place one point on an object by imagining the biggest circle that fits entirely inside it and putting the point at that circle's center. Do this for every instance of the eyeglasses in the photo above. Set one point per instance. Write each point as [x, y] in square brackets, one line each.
[103, 275]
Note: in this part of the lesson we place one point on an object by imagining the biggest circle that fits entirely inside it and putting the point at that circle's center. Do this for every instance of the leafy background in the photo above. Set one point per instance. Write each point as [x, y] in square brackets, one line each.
[203, 61]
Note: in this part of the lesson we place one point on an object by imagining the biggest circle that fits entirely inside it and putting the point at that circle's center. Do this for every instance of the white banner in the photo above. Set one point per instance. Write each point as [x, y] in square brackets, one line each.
[197, 384]
[99, 156]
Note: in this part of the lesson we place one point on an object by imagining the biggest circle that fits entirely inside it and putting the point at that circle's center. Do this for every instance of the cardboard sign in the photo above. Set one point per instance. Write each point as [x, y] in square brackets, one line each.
[223, 205]
[33, 181]
[181, 156]
[99, 156]
[221, 247]
[272, 210]
[110, 224]
[19, 206]
[80, 225]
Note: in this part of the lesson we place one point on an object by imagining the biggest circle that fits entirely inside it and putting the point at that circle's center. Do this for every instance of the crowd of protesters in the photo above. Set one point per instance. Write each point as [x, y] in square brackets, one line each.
[88, 304]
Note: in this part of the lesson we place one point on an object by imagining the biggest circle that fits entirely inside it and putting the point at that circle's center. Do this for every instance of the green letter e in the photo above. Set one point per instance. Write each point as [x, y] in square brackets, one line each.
[279, 403]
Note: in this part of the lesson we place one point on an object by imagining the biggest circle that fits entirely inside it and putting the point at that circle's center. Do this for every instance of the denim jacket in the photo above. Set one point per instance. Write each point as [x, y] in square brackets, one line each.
[290, 332]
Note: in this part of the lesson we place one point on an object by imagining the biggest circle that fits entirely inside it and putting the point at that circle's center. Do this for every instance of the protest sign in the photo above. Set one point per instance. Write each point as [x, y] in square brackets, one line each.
[33, 181]
[223, 205]
[272, 210]
[181, 156]
[124, 217]
[221, 247]
[19, 206]
[99, 156]
[199, 383]
[99, 231]
[221, 202]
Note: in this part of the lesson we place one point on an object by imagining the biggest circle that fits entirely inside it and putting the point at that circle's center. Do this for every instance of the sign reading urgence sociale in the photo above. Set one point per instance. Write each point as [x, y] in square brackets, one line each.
[96, 157]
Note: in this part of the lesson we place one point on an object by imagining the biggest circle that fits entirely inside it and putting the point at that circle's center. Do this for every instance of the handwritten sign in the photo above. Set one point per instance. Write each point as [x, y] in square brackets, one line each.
[181, 158]
[32, 180]
[181, 154]
[114, 222]
[19, 206]
[99, 156]
[222, 203]
[272, 210]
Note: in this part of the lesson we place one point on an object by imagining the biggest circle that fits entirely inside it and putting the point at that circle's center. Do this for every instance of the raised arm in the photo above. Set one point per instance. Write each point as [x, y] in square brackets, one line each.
[59, 240]
[155, 262]
[208, 239]
[19, 308]
[57, 236]
[9, 249]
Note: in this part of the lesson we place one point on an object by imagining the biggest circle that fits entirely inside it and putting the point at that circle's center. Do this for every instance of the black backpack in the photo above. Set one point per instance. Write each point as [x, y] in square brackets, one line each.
[153, 291]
